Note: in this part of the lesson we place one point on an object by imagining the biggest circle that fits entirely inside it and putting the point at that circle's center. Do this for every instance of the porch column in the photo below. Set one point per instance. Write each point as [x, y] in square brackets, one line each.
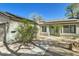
[77, 29]
[48, 31]
[38, 33]
[62, 30]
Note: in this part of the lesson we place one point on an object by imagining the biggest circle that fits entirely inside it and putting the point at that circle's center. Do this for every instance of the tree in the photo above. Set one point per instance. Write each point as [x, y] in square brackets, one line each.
[77, 15]
[26, 33]
[71, 11]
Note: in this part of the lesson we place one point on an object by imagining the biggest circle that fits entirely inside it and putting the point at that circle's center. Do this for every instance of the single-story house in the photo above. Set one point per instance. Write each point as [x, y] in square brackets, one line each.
[62, 27]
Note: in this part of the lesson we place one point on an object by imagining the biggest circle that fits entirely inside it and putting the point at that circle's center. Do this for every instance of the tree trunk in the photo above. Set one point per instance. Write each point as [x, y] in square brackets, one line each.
[72, 13]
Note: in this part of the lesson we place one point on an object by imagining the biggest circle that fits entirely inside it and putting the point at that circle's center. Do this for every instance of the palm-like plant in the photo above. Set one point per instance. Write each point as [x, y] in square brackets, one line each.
[70, 11]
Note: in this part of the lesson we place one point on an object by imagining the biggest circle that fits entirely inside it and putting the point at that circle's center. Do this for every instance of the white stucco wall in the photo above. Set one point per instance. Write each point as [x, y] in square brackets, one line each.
[47, 33]
[77, 29]
[39, 31]
[4, 19]
[1, 32]
[12, 27]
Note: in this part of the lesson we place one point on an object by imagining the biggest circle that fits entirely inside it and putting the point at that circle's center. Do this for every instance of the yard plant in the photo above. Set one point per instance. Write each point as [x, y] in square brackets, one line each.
[26, 33]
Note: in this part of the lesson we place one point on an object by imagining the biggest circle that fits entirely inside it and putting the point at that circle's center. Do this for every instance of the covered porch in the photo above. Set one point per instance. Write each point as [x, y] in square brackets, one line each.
[60, 29]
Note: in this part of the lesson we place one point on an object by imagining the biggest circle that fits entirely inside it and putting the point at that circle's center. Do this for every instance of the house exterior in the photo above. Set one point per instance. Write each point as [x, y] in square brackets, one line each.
[12, 22]
[63, 27]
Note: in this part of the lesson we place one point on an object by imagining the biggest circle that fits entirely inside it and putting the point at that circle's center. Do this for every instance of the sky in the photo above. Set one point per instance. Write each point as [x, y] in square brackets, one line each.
[49, 11]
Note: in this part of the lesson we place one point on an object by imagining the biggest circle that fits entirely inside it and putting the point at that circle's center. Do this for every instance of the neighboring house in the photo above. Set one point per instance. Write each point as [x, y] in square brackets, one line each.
[64, 27]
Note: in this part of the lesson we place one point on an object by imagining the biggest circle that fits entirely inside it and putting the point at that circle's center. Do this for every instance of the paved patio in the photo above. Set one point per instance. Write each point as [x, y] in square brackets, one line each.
[40, 48]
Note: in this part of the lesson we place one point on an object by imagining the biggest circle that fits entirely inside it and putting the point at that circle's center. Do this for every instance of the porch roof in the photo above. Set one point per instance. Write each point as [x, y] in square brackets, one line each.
[66, 21]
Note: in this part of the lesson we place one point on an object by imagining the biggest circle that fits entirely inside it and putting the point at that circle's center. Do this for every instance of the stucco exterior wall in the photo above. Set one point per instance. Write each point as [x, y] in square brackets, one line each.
[12, 27]
[77, 29]
[40, 33]
[3, 19]
[1, 32]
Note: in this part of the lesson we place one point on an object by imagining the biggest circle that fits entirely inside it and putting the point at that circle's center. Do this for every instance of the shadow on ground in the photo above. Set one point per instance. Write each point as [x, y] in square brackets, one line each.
[22, 54]
[46, 53]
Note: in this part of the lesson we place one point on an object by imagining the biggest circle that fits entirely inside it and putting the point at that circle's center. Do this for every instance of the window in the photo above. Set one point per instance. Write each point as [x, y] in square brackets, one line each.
[66, 29]
[13, 31]
[69, 29]
[72, 28]
[43, 28]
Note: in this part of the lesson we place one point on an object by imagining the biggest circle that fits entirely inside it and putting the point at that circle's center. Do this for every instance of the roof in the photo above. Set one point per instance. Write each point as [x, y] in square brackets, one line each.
[67, 21]
[11, 15]
[62, 21]
[14, 17]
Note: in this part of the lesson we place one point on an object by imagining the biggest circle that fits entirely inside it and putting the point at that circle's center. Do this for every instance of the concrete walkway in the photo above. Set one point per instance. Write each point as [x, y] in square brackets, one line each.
[26, 51]
[59, 51]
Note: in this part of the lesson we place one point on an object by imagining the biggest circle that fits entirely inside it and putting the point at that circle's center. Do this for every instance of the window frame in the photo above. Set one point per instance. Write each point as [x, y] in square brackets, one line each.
[69, 28]
[44, 28]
